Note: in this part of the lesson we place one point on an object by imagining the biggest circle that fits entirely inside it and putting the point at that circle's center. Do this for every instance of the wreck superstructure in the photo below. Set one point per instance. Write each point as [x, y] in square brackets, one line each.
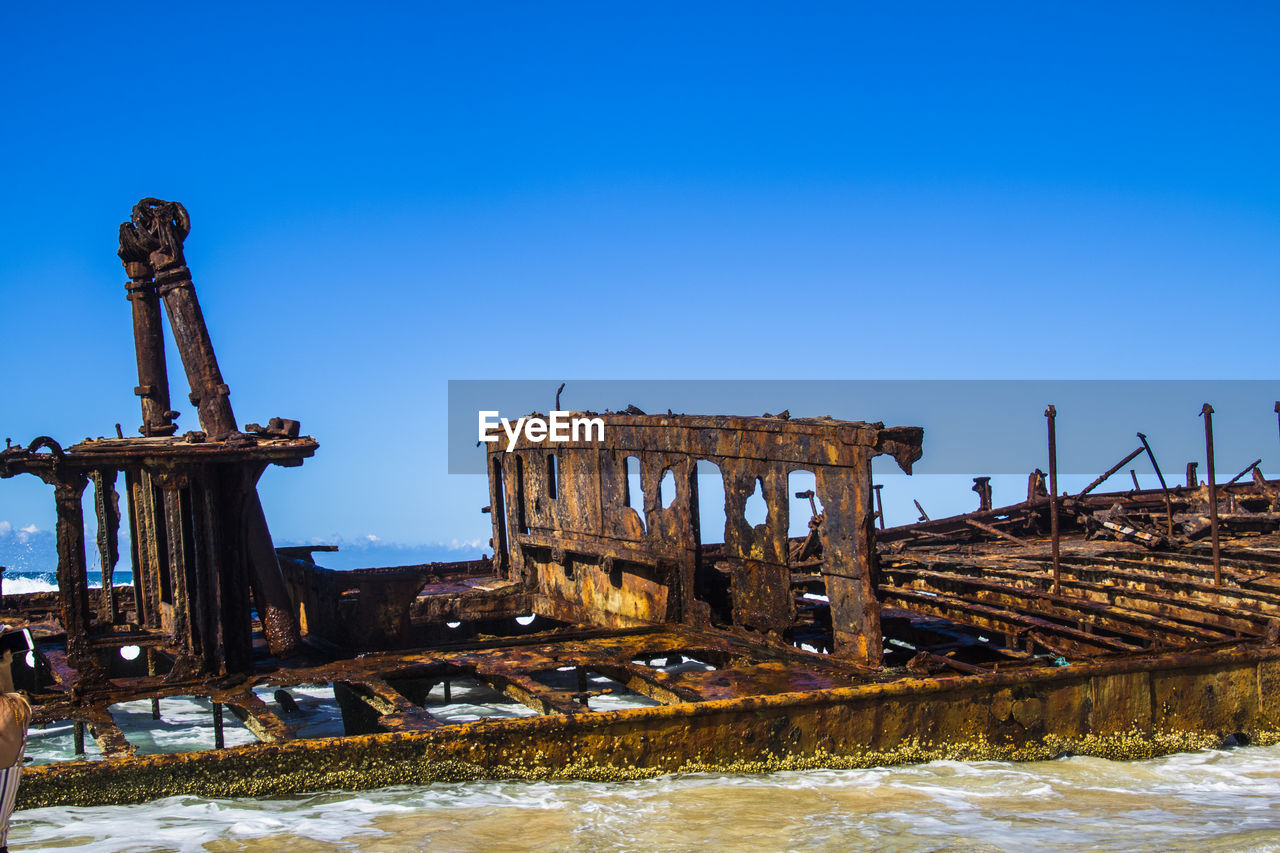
[1119, 624]
[572, 535]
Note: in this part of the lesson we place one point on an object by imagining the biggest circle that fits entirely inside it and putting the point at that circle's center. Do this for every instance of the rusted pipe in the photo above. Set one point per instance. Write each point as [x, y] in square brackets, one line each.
[163, 226]
[982, 485]
[1254, 464]
[924, 516]
[1207, 413]
[148, 340]
[1051, 413]
[1168, 504]
[995, 531]
[1114, 468]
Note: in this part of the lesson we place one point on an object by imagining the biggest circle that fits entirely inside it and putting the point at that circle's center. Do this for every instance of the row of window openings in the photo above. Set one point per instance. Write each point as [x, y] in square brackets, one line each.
[634, 496]
[756, 509]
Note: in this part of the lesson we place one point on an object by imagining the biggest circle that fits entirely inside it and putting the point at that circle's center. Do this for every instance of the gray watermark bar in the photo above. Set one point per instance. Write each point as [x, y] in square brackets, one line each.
[971, 427]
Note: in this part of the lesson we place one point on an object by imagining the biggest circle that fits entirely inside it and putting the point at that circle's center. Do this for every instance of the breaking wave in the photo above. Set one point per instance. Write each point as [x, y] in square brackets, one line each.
[1209, 800]
[15, 583]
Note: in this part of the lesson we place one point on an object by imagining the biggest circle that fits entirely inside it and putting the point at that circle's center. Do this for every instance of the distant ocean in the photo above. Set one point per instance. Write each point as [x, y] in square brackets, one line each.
[31, 562]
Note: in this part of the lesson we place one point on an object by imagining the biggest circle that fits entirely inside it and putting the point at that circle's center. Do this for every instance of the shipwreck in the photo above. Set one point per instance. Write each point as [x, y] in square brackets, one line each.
[615, 642]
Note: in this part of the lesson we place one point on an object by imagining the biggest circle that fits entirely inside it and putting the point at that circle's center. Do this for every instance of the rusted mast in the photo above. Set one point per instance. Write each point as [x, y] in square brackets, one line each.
[164, 226]
[1052, 414]
[161, 227]
[1207, 412]
[148, 340]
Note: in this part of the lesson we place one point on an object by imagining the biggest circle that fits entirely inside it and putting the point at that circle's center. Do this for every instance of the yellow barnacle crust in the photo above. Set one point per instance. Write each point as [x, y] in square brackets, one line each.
[296, 771]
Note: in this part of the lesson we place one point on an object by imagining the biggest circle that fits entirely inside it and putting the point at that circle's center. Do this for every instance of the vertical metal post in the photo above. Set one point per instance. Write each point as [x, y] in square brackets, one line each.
[880, 504]
[982, 485]
[73, 581]
[106, 503]
[1207, 413]
[1051, 414]
[151, 671]
[448, 692]
[78, 734]
[219, 740]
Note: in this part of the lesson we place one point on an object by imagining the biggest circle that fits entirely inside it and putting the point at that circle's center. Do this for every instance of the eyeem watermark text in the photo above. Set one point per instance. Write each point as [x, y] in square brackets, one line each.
[557, 426]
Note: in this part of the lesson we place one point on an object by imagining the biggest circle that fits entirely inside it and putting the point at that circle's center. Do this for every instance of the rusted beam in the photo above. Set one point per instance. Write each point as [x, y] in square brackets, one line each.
[1001, 619]
[995, 531]
[1207, 412]
[529, 692]
[647, 681]
[1142, 627]
[73, 582]
[1156, 594]
[107, 734]
[1102, 478]
[106, 501]
[924, 516]
[1254, 464]
[396, 713]
[258, 718]
[64, 674]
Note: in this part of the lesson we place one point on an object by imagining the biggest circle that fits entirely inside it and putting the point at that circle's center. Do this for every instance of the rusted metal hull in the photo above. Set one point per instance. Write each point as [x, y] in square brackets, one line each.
[1118, 709]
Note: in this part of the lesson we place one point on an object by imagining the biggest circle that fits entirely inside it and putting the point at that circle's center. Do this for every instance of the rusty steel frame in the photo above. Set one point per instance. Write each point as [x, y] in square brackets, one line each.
[1120, 624]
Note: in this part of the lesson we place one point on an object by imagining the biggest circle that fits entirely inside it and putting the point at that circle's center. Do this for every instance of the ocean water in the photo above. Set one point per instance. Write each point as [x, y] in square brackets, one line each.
[17, 582]
[1215, 800]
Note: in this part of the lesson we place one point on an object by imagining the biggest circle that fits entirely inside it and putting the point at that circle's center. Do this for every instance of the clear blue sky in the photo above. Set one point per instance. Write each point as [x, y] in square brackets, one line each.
[387, 196]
